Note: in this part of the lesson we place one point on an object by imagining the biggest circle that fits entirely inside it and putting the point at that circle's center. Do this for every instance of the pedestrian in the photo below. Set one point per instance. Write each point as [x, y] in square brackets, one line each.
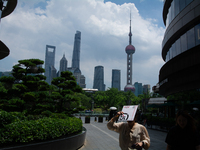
[132, 135]
[183, 136]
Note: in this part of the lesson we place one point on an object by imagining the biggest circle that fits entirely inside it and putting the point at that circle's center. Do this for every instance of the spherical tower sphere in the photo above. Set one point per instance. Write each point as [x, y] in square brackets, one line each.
[129, 87]
[130, 49]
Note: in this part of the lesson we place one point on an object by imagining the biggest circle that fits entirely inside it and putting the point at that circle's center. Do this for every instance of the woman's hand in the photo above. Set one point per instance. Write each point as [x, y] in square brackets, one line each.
[117, 115]
[139, 145]
[120, 113]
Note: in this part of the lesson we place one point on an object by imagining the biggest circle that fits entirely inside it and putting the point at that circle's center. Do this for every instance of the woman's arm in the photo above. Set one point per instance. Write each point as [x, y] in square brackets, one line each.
[115, 126]
[145, 139]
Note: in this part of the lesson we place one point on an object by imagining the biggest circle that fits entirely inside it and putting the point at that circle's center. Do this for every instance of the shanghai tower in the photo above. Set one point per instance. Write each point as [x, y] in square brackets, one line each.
[130, 50]
[76, 51]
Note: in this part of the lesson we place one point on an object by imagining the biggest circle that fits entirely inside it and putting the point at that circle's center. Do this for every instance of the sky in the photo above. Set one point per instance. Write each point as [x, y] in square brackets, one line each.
[104, 27]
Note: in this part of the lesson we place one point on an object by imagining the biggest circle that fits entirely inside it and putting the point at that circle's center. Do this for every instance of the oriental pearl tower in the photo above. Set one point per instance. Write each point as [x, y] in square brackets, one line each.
[130, 50]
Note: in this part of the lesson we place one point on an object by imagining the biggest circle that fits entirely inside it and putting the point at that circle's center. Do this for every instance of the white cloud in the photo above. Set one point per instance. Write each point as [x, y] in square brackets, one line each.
[104, 29]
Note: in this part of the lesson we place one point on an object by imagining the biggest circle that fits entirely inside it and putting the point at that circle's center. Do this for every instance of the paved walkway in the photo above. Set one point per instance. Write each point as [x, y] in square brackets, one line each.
[98, 137]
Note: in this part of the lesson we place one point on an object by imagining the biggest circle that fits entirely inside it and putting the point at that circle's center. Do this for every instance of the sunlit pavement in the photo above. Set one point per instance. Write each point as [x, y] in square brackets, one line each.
[98, 137]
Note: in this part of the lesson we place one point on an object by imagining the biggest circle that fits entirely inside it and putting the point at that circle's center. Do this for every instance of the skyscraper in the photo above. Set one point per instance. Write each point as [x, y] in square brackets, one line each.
[116, 79]
[53, 73]
[130, 50]
[82, 81]
[63, 64]
[138, 88]
[49, 62]
[146, 88]
[99, 78]
[76, 51]
[75, 69]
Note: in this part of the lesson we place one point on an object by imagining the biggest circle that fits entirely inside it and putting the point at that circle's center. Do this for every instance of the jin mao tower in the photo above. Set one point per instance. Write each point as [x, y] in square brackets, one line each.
[63, 64]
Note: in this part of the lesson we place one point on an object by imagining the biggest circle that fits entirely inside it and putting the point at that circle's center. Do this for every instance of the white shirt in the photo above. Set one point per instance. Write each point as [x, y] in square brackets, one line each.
[127, 136]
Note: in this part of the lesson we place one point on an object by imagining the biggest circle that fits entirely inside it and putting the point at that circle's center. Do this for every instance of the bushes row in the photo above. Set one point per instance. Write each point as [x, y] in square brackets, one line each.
[9, 117]
[154, 120]
[23, 131]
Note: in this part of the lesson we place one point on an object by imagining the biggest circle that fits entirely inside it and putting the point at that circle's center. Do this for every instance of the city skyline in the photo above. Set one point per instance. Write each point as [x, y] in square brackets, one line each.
[104, 26]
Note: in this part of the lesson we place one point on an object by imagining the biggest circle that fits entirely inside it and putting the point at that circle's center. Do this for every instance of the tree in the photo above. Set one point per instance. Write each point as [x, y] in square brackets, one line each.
[113, 97]
[27, 85]
[66, 96]
[144, 98]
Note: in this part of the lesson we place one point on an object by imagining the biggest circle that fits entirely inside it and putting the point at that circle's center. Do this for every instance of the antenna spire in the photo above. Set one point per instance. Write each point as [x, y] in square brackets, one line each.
[130, 34]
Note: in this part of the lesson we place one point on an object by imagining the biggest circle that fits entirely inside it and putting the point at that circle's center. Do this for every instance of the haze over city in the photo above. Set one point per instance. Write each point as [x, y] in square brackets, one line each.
[104, 27]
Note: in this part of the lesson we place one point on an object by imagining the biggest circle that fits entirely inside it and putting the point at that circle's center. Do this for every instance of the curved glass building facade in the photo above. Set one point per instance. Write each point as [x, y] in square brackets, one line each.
[180, 47]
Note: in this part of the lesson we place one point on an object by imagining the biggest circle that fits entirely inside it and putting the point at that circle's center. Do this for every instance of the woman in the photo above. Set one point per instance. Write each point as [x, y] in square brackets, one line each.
[183, 136]
[131, 134]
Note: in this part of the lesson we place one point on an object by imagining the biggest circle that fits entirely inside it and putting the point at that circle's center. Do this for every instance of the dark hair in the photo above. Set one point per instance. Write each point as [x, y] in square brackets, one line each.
[190, 120]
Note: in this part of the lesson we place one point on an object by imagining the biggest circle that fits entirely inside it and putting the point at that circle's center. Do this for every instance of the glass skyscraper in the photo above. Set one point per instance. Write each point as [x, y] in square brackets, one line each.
[75, 68]
[99, 78]
[116, 79]
[76, 51]
[146, 88]
[49, 63]
[63, 65]
[138, 88]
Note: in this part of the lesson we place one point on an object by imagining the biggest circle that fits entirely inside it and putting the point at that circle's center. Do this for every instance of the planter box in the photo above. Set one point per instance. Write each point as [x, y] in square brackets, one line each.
[87, 120]
[68, 143]
[100, 119]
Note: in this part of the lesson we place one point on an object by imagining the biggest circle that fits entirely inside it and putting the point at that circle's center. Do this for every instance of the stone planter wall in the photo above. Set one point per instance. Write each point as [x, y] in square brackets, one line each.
[69, 143]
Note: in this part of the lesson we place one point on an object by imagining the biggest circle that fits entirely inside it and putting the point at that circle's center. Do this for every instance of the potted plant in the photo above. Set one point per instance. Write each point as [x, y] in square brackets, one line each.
[100, 118]
[87, 119]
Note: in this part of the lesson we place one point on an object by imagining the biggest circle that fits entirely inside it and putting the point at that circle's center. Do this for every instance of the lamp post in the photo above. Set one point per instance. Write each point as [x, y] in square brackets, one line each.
[91, 91]
[6, 8]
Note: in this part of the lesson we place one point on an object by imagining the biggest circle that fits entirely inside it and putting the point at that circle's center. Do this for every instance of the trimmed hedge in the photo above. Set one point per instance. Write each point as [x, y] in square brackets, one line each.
[26, 131]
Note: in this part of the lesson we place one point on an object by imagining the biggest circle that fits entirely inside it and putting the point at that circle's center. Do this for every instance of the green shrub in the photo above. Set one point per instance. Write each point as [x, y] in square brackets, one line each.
[34, 117]
[46, 113]
[59, 115]
[19, 115]
[38, 130]
[6, 118]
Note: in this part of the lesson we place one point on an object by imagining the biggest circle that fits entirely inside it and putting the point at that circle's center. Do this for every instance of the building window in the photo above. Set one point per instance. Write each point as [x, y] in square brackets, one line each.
[173, 50]
[170, 53]
[190, 38]
[182, 4]
[187, 2]
[172, 11]
[197, 34]
[176, 7]
[187, 41]
[178, 47]
[167, 57]
[183, 43]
